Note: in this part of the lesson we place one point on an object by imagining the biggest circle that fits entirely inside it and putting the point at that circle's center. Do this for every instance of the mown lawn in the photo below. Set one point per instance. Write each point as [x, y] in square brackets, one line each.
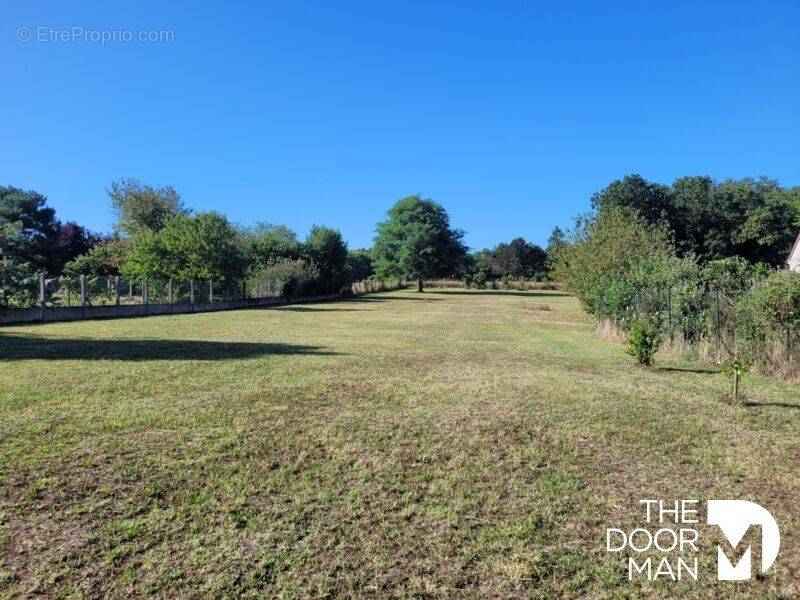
[445, 444]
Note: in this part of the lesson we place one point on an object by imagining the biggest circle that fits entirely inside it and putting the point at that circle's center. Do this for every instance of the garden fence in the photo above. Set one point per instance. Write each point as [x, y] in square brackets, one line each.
[716, 323]
[87, 297]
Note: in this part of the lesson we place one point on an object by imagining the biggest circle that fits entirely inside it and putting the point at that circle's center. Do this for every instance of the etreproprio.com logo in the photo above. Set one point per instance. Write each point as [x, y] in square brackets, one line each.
[673, 533]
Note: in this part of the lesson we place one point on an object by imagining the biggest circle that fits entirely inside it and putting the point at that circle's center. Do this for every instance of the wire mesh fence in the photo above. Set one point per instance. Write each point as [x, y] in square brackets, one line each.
[66, 298]
[713, 324]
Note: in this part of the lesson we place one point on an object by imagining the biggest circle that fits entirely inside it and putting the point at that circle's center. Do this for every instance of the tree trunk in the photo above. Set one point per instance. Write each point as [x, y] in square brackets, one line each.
[419, 285]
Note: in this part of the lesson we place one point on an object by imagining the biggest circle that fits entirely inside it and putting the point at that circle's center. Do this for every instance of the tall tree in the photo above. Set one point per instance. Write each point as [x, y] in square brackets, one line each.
[33, 223]
[201, 246]
[71, 241]
[266, 244]
[651, 200]
[359, 264]
[754, 219]
[417, 242]
[139, 207]
[517, 259]
[555, 243]
[326, 251]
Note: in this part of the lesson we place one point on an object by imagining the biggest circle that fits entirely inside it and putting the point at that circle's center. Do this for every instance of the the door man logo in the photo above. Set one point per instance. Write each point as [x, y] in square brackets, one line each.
[678, 545]
[734, 518]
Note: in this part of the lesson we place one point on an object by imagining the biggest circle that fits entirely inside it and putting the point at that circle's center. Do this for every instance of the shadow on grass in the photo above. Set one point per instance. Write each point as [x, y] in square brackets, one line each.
[523, 294]
[319, 309]
[384, 298]
[17, 347]
[771, 405]
[704, 370]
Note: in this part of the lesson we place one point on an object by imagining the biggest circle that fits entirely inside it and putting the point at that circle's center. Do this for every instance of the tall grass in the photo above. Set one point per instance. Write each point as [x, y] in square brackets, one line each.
[510, 285]
[369, 287]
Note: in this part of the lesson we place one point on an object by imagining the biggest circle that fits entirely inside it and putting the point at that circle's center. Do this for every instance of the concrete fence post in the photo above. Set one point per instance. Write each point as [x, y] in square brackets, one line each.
[41, 293]
[169, 293]
[145, 299]
[116, 294]
[83, 296]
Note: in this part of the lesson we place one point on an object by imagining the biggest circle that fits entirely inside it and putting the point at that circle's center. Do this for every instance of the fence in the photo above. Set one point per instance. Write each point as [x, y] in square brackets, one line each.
[714, 324]
[78, 298]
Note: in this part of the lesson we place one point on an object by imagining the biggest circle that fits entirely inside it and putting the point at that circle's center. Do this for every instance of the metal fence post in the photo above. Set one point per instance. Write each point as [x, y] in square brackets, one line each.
[116, 294]
[69, 294]
[83, 296]
[145, 299]
[211, 292]
[719, 332]
[191, 295]
[669, 314]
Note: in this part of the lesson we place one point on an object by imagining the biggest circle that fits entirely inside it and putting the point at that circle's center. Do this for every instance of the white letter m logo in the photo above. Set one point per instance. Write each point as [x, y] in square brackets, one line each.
[734, 518]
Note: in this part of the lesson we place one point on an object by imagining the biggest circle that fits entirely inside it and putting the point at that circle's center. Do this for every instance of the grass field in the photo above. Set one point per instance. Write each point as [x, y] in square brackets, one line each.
[451, 443]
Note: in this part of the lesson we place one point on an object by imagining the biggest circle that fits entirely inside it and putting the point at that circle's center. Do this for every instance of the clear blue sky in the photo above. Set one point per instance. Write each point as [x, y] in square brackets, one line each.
[509, 113]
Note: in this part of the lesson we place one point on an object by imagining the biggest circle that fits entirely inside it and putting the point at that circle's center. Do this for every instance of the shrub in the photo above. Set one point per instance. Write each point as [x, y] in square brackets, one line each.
[733, 370]
[768, 320]
[291, 277]
[730, 274]
[19, 283]
[480, 279]
[644, 339]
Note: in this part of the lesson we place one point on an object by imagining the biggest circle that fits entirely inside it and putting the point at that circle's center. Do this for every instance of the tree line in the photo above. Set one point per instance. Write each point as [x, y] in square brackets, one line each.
[648, 255]
[156, 235]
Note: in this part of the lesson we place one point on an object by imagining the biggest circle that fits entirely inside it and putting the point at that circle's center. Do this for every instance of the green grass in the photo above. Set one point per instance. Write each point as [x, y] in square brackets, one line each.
[450, 443]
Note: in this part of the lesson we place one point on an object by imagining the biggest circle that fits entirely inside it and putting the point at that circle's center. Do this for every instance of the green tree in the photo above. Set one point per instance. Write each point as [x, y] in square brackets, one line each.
[359, 264]
[417, 242]
[613, 254]
[555, 243]
[201, 246]
[326, 251]
[651, 200]
[517, 259]
[754, 219]
[104, 260]
[139, 207]
[265, 244]
[147, 257]
[29, 227]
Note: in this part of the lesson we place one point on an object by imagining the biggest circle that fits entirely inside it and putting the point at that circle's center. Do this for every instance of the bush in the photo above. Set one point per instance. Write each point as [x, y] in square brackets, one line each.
[292, 277]
[733, 370]
[19, 284]
[480, 279]
[732, 274]
[769, 314]
[644, 339]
